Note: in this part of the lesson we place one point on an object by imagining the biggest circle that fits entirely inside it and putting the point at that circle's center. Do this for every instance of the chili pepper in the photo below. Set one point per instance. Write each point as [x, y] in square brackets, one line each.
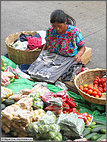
[67, 97]
[51, 108]
[66, 106]
[71, 104]
[58, 111]
[63, 99]
[70, 99]
[74, 110]
[12, 80]
[65, 111]
[16, 77]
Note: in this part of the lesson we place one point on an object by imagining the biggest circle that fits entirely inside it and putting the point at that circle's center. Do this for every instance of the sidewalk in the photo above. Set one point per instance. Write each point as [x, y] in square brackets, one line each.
[90, 17]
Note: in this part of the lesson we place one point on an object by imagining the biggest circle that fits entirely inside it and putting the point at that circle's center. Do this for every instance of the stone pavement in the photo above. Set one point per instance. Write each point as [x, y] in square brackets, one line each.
[90, 17]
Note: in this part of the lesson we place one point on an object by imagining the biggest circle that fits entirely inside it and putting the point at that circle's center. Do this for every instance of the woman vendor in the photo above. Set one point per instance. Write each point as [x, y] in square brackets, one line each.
[63, 49]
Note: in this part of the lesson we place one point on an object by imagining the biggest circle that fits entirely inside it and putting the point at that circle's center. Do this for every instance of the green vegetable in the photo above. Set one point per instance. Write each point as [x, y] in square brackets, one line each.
[3, 65]
[3, 106]
[98, 128]
[3, 68]
[54, 127]
[12, 80]
[93, 126]
[88, 137]
[38, 104]
[8, 102]
[99, 122]
[57, 138]
[52, 134]
[86, 131]
[44, 128]
[48, 140]
[95, 137]
[103, 131]
[103, 136]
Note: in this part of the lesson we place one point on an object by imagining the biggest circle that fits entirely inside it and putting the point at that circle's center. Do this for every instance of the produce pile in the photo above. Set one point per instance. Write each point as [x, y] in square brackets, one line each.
[95, 132]
[16, 117]
[46, 128]
[45, 112]
[96, 89]
[3, 65]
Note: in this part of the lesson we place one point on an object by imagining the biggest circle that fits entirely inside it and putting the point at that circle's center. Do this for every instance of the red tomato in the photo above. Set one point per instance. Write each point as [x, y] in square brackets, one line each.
[97, 78]
[90, 91]
[100, 89]
[95, 82]
[90, 86]
[85, 119]
[87, 122]
[104, 89]
[85, 89]
[89, 119]
[85, 114]
[94, 93]
[95, 89]
[96, 86]
[81, 87]
[99, 81]
[89, 115]
[100, 85]
[99, 94]
[103, 79]
[104, 85]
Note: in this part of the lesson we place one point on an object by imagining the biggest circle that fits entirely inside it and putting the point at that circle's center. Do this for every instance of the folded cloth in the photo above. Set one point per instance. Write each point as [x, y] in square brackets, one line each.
[50, 66]
[72, 71]
[20, 45]
[34, 42]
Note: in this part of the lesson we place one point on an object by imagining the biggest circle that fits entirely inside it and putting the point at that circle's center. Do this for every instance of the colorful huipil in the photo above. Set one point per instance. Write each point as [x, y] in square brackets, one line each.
[66, 44]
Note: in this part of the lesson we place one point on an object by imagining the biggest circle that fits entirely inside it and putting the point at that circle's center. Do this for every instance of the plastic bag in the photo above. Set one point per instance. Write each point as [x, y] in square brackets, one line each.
[5, 93]
[21, 74]
[48, 118]
[71, 125]
[46, 128]
[62, 93]
[6, 78]
[61, 85]
[44, 84]
[10, 69]
[38, 103]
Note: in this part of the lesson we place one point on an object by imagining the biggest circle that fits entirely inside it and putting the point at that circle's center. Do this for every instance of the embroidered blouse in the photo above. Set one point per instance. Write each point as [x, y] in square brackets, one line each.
[66, 44]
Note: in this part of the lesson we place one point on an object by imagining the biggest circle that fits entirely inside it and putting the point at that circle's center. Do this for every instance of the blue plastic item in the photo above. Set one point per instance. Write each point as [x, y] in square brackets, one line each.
[24, 68]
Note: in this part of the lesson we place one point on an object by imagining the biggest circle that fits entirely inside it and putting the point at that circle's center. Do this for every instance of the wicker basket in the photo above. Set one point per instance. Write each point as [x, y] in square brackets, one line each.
[21, 56]
[87, 77]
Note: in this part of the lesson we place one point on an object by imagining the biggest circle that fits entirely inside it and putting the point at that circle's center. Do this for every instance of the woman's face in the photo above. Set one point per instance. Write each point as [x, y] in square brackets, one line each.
[60, 28]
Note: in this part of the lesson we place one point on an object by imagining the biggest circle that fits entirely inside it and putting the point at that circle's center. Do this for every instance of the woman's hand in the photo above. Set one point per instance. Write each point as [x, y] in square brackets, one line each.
[77, 57]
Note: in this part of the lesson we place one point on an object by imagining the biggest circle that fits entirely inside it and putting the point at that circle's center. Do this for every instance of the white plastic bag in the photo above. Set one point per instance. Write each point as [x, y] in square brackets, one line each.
[21, 74]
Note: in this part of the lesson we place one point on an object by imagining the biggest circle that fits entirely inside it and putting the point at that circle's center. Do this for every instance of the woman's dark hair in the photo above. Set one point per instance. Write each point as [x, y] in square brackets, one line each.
[60, 16]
